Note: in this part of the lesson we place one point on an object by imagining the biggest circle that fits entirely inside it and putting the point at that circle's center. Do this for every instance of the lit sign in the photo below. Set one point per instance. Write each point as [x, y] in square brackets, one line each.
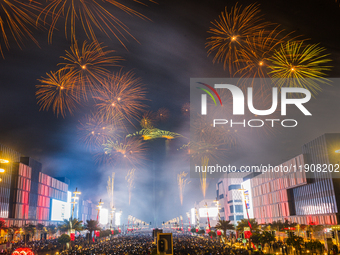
[104, 216]
[193, 216]
[117, 218]
[211, 211]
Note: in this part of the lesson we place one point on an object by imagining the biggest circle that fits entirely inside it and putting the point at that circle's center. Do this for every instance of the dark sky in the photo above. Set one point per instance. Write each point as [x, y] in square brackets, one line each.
[171, 50]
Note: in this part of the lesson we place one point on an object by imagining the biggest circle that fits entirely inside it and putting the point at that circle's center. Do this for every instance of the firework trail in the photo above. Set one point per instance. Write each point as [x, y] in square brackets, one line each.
[91, 16]
[182, 181]
[130, 178]
[17, 18]
[110, 188]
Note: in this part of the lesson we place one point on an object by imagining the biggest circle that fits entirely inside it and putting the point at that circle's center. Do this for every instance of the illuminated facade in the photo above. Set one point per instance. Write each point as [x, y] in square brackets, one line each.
[5, 184]
[31, 193]
[202, 210]
[304, 197]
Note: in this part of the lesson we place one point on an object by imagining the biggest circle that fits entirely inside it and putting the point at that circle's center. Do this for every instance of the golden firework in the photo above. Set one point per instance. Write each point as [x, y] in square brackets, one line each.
[305, 64]
[128, 152]
[182, 181]
[254, 57]
[130, 178]
[121, 94]
[148, 120]
[16, 20]
[95, 131]
[162, 114]
[91, 15]
[88, 65]
[155, 133]
[57, 92]
[230, 32]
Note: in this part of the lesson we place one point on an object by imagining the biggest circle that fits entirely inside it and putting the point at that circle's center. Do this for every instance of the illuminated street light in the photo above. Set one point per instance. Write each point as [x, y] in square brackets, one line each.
[75, 193]
[100, 205]
[3, 161]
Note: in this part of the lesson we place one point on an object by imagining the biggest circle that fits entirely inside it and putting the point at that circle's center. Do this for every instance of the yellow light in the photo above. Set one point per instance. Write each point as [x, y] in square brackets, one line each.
[261, 63]
[113, 104]
[61, 88]
[118, 98]
[337, 151]
[4, 161]
[2, 170]
[292, 69]
[233, 38]
[83, 66]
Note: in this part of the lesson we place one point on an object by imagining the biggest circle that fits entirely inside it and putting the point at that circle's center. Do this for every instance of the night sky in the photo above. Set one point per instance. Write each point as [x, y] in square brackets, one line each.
[170, 50]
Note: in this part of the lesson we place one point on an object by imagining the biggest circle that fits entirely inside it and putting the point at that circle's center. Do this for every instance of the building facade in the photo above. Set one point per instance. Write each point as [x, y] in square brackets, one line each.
[306, 194]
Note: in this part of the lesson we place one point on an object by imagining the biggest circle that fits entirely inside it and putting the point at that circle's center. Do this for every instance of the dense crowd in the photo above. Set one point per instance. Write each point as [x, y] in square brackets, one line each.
[129, 245]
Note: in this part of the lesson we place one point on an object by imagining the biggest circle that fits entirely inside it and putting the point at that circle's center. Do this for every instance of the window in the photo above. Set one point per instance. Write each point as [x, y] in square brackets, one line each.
[235, 186]
[238, 208]
[239, 217]
[231, 209]
[231, 218]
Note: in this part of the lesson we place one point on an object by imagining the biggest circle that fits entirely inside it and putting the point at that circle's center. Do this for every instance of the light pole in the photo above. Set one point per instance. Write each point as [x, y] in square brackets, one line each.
[100, 205]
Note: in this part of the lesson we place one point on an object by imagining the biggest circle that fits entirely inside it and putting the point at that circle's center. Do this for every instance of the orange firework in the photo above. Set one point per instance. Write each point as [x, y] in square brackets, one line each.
[254, 57]
[162, 114]
[230, 32]
[122, 94]
[56, 92]
[92, 15]
[186, 109]
[129, 152]
[16, 20]
[148, 120]
[88, 65]
[96, 131]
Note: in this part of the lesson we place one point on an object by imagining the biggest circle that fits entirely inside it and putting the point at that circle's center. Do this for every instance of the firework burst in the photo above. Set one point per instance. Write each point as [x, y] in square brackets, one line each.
[121, 94]
[57, 92]
[95, 131]
[91, 15]
[186, 109]
[230, 32]
[162, 114]
[130, 178]
[155, 133]
[182, 181]
[129, 152]
[306, 64]
[148, 120]
[16, 20]
[254, 57]
[88, 65]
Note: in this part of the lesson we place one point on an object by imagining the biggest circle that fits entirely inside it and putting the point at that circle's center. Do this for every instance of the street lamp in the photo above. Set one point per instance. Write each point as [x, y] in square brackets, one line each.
[218, 208]
[75, 193]
[100, 205]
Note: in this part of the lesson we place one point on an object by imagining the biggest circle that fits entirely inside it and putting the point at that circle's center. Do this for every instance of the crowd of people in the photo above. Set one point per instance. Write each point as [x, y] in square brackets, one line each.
[137, 244]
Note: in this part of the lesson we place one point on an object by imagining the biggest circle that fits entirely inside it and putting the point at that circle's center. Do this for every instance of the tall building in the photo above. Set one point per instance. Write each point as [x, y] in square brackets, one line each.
[32, 192]
[6, 178]
[308, 193]
[229, 195]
